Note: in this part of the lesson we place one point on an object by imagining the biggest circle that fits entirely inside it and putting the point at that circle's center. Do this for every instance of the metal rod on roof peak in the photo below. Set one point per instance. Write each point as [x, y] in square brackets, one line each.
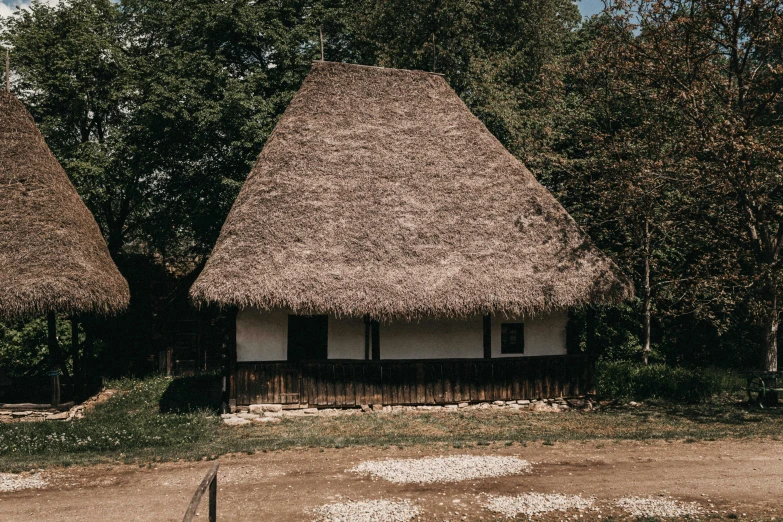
[321, 33]
[434, 52]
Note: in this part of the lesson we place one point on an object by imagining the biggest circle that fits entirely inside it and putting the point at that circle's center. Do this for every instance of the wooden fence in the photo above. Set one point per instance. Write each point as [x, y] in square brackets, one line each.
[209, 482]
[346, 383]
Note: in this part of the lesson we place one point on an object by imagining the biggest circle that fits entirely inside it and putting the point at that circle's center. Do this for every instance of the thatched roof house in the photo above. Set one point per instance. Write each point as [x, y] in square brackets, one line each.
[52, 254]
[387, 249]
[380, 193]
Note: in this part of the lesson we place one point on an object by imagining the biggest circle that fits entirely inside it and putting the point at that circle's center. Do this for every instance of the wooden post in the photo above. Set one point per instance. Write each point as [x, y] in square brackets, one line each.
[77, 363]
[376, 341]
[213, 500]
[209, 482]
[487, 336]
[230, 352]
[54, 370]
[7, 72]
[367, 338]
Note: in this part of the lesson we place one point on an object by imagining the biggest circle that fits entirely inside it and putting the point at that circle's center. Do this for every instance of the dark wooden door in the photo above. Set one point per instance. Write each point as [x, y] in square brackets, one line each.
[307, 337]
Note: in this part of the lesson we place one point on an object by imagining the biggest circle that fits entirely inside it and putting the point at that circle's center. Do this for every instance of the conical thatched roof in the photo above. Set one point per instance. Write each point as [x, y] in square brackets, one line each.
[52, 254]
[380, 193]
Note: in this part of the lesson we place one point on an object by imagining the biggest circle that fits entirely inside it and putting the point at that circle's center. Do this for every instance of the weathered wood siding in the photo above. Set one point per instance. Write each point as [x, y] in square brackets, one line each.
[346, 383]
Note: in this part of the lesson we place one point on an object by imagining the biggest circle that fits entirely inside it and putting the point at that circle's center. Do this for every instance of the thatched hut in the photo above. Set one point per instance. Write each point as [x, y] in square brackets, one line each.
[53, 258]
[52, 254]
[387, 248]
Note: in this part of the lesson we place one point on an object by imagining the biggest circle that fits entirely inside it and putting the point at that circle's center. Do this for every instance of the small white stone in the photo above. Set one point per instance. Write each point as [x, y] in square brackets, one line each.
[267, 419]
[310, 411]
[235, 421]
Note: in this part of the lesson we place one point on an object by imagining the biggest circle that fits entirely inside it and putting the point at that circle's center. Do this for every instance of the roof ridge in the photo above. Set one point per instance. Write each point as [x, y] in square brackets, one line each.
[418, 71]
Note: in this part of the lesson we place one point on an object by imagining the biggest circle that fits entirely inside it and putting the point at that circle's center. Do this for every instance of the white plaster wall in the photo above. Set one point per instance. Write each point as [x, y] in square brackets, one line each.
[346, 338]
[433, 339]
[544, 334]
[262, 335]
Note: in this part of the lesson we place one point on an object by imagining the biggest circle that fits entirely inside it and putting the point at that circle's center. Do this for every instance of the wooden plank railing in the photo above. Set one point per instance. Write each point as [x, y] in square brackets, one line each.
[347, 383]
[209, 482]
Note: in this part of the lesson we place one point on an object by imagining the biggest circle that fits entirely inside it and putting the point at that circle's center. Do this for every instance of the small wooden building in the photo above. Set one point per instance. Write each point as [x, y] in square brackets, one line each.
[387, 249]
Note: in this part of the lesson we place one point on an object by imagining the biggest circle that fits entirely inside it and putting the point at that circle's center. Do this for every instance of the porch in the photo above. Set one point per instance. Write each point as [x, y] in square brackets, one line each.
[350, 383]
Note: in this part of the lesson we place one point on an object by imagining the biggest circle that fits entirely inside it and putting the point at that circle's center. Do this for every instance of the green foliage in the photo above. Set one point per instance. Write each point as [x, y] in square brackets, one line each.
[629, 380]
[23, 346]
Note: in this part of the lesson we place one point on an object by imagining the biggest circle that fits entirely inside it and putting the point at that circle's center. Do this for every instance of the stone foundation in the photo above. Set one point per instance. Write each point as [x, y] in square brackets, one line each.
[275, 412]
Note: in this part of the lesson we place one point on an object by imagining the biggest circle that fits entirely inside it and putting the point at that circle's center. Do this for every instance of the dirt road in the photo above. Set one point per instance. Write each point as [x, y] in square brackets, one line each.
[741, 477]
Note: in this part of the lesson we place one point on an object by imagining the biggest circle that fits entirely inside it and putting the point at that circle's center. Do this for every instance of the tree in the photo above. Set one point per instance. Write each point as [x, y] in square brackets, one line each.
[713, 72]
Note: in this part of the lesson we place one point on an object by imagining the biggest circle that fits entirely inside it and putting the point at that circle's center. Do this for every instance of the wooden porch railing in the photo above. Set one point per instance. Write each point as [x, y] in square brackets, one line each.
[347, 383]
[209, 482]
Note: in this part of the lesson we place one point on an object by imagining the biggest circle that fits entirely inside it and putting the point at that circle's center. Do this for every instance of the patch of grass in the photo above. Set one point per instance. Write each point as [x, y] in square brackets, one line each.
[131, 427]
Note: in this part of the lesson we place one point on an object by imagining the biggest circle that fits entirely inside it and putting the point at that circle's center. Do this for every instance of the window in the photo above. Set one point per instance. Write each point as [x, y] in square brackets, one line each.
[512, 338]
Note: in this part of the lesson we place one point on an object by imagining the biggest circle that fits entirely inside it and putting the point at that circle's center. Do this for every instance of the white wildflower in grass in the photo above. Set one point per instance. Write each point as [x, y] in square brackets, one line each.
[367, 511]
[659, 507]
[531, 504]
[443, 469]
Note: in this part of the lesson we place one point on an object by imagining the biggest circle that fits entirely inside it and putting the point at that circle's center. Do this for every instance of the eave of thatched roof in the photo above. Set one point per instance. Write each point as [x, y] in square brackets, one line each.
[52, 254]
[380, 193]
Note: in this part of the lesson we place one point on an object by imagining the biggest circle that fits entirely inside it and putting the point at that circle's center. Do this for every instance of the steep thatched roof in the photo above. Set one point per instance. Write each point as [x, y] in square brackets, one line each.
[380, 193]
[52, 254]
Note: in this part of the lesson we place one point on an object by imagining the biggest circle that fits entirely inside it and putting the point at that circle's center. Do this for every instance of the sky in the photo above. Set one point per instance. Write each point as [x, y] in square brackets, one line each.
[587, 7]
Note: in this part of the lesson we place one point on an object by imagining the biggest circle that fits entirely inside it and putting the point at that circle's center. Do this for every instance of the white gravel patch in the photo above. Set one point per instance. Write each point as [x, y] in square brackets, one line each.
[442, 469]
[367, 511]
[14, 482]
[532, 504]
[658, 507]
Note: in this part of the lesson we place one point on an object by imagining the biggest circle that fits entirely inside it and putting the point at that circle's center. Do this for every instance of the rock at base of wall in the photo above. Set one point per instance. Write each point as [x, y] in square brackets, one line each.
[267, 419]
[235, 421]
[262, 408]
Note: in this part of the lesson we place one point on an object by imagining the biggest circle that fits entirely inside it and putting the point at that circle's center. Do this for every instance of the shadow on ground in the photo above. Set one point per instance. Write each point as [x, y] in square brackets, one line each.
[193, 393]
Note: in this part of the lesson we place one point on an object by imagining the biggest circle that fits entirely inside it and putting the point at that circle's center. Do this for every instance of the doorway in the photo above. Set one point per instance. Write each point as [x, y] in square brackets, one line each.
[308, 337]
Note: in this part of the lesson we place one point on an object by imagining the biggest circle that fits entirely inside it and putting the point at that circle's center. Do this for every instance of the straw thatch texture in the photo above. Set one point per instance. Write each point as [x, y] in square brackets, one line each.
[52, 254]
[380, 193]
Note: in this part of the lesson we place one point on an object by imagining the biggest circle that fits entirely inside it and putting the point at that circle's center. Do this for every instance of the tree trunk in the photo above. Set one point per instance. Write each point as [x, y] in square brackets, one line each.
[771, 335]
[647, 299]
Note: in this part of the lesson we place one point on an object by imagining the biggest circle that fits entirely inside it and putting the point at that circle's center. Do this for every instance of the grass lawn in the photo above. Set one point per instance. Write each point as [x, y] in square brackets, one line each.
[131, 428]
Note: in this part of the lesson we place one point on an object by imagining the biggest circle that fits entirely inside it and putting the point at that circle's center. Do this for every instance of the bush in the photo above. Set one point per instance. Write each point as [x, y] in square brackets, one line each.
[630, 380]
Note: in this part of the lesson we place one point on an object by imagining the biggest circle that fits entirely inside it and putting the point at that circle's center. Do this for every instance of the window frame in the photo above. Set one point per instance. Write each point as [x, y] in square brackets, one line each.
[519, 346]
